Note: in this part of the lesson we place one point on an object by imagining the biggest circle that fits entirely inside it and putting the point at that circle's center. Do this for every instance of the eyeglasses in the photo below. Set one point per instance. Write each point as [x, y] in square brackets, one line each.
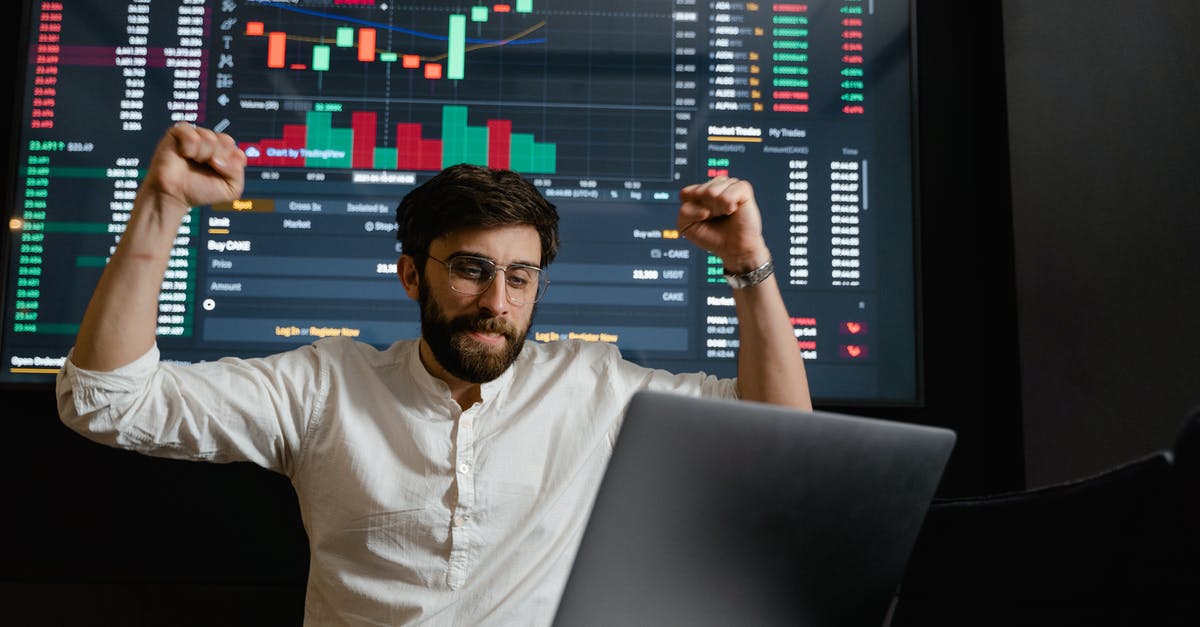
[473, 276]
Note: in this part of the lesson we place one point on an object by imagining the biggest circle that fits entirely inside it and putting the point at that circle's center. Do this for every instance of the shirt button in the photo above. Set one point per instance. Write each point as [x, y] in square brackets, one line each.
[464, 468]
[459, 520]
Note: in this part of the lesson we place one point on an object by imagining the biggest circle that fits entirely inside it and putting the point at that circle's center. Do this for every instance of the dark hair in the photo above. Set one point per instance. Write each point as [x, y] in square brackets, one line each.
[469, 196]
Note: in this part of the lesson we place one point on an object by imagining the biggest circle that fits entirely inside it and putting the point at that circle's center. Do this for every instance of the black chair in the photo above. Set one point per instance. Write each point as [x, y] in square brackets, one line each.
[1165, 574]
[1118, 548]
[1187, 450]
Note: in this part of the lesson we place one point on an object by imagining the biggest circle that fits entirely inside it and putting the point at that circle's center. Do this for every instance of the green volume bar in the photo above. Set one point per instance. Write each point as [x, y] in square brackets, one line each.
[458, 47]
[526, 155]
[477, 145]
[385, 157]
[454, 135]
[544, 157]
[321, 136]
[520, 152]
[462, 143]
[469, 144]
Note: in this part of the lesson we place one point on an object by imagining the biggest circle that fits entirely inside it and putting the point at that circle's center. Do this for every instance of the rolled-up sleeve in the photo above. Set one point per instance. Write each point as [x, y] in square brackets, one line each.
[255, 410]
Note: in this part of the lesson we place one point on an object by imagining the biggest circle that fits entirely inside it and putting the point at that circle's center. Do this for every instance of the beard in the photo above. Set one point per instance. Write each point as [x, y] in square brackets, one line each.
[460, 355]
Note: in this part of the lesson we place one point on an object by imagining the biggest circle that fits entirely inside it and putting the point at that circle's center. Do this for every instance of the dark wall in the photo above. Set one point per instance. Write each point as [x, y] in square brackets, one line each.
[1104, 112]
[967, 278]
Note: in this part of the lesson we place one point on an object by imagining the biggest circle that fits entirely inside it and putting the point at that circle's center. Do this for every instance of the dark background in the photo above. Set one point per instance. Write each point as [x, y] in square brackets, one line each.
[1059, 205]
[1104, 110]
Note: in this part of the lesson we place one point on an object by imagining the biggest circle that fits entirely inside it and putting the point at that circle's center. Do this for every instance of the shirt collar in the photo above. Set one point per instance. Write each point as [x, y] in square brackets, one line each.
[438, 388]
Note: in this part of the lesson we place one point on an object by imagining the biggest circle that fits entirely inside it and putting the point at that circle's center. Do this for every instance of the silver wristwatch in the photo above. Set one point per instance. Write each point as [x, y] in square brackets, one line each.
[753, 277]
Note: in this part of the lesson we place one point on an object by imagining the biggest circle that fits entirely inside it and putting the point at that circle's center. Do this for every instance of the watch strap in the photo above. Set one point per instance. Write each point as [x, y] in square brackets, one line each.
[753, 277]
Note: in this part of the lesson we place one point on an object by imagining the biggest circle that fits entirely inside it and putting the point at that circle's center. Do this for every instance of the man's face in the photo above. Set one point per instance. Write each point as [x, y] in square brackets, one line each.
[475, 338]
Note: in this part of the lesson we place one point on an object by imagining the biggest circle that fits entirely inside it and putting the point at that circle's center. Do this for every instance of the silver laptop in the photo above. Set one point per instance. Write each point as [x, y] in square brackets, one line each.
[739, 513]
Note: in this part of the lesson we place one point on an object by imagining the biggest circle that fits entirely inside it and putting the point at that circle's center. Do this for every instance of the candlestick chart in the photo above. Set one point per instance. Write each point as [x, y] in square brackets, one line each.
[577, 93]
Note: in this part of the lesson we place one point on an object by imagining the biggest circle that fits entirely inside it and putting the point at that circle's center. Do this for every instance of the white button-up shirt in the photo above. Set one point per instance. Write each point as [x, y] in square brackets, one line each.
[416, 510]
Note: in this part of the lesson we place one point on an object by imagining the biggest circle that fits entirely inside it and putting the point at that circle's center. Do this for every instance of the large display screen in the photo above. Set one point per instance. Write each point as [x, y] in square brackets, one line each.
[343, 106]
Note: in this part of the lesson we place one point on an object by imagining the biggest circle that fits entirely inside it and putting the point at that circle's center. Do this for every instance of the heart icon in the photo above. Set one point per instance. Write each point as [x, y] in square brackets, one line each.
[853, 351]
[853, 327]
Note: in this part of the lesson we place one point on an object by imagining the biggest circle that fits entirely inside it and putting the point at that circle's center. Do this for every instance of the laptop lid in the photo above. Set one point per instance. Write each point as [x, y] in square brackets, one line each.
[715, 512]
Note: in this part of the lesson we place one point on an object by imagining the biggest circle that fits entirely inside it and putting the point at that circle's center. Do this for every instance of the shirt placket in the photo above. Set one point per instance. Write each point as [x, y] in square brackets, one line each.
[464, 508]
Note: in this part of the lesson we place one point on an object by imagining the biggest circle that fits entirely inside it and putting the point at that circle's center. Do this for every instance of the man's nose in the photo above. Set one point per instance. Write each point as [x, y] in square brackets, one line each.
[495, 297]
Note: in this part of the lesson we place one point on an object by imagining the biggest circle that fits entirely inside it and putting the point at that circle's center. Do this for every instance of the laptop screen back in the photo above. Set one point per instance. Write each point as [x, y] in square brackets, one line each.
[738, 513]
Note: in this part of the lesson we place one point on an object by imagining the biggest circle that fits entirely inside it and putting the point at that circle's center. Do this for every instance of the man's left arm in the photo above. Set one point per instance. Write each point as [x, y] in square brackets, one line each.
[722, 216]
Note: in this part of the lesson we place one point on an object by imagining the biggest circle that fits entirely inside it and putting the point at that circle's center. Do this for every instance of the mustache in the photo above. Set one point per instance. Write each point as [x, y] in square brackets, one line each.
[483, 324]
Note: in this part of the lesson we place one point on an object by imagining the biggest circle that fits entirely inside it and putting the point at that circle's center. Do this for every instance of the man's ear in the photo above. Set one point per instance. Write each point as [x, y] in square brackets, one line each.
[406, 269]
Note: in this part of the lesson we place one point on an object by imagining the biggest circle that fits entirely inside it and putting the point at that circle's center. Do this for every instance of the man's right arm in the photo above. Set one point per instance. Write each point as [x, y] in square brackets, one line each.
[113, 390]
[191, 166]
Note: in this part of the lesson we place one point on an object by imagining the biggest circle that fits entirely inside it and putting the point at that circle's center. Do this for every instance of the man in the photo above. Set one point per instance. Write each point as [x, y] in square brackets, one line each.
[446, 479]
